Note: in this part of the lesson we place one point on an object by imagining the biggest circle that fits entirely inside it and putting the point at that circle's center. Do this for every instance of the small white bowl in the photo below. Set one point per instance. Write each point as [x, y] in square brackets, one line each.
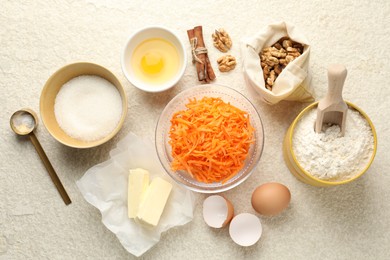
[142, 35]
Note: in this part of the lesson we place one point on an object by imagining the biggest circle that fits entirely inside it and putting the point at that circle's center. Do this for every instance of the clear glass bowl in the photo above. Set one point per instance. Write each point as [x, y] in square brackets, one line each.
[228, 95]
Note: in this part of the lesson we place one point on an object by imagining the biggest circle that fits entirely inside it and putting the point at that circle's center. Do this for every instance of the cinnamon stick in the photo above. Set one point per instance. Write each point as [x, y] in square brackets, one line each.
[199, 66]
[203, 66]
[210, 71]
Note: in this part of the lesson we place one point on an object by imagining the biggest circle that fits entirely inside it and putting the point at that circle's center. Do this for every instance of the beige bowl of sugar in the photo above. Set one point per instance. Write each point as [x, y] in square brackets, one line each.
[83, 105]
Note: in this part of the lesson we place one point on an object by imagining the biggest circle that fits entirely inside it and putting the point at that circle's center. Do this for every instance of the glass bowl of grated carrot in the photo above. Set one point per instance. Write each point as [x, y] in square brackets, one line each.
[209, 138]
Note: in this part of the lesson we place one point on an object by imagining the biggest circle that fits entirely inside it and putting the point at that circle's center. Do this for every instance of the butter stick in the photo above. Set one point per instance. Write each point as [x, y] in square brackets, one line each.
[138, 184]
[153, 204]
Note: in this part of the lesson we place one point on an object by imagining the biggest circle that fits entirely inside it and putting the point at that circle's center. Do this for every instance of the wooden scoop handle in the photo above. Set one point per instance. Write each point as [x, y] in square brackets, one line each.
[336, 78]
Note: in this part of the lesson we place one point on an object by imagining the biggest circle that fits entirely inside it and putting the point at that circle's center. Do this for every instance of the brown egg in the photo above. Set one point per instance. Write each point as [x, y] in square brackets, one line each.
[270, 199]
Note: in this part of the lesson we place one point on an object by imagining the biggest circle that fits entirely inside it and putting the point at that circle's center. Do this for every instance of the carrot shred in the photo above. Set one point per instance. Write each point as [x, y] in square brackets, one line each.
[210, 139]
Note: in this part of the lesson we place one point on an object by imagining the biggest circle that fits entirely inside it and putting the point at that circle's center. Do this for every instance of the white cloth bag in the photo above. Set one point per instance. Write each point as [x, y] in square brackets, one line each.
[294, 82]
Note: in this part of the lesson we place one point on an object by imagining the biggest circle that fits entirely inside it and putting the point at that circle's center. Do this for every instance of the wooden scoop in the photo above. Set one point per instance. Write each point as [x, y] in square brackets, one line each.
[332, 108]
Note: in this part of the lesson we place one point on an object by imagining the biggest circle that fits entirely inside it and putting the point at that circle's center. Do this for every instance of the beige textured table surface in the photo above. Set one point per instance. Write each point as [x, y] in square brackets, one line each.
[38, 37]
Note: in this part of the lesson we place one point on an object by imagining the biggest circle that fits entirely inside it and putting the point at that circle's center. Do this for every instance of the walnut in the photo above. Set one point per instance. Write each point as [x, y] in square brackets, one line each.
[287, 43]
[271, 78]
[283, 62]
[271, 61]
[289, 58]
[222, 40]
[279, 53]
[278, 46]
[278, 69]
[275, 58]
[266, 71]
[226, 63]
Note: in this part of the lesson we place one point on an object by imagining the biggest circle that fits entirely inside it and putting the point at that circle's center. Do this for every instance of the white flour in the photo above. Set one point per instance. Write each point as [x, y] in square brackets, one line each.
[329, 156]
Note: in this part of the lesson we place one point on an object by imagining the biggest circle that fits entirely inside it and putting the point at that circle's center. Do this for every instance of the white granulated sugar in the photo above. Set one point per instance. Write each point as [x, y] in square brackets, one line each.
[88, 107]
[24, 121]
[328, 155]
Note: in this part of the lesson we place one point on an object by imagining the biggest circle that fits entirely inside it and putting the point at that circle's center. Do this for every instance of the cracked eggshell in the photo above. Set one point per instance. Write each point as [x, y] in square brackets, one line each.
[245, 229]
[217, 211]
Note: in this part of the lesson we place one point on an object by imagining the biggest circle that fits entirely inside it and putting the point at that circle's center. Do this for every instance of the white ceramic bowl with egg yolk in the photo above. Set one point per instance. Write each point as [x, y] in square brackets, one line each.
[146, 75]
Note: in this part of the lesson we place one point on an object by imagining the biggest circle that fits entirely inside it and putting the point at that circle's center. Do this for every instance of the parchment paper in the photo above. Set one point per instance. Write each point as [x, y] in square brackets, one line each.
[105, 187]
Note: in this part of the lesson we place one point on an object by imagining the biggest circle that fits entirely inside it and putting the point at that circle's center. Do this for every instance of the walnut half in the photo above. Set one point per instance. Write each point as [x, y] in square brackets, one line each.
[222, 40]
[226, 63]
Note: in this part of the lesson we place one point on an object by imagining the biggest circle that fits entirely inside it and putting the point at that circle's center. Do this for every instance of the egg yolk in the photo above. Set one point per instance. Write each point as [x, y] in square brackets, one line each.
[152, 63]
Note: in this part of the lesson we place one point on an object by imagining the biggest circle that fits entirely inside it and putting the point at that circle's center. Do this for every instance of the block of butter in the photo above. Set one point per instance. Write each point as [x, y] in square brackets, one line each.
[153, 204]
[138, 184]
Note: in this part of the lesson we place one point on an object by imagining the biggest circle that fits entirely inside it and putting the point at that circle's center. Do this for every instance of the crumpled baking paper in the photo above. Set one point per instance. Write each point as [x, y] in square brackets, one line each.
[105, 187]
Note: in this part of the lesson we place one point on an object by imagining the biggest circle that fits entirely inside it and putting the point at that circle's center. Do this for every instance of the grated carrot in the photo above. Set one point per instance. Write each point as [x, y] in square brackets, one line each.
[210, 139]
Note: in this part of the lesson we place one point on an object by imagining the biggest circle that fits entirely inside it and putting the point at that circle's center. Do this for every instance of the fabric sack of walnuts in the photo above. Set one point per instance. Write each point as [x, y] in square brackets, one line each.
[293, 81]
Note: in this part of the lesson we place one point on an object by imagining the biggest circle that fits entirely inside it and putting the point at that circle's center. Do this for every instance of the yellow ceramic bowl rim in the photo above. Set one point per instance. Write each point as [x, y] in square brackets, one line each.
[84, 144]
[332, 183]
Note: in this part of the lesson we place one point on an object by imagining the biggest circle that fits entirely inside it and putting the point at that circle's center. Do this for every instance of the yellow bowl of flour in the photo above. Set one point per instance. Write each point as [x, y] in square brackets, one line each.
[317, 171]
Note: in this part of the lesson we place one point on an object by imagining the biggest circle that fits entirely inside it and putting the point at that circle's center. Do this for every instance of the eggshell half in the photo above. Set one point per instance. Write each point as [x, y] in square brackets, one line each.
[217, 211]
[245, 229]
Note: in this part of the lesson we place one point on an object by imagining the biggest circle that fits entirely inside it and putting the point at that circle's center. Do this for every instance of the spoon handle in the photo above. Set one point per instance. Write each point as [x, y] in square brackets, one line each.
[336, 78]
[50, 169]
